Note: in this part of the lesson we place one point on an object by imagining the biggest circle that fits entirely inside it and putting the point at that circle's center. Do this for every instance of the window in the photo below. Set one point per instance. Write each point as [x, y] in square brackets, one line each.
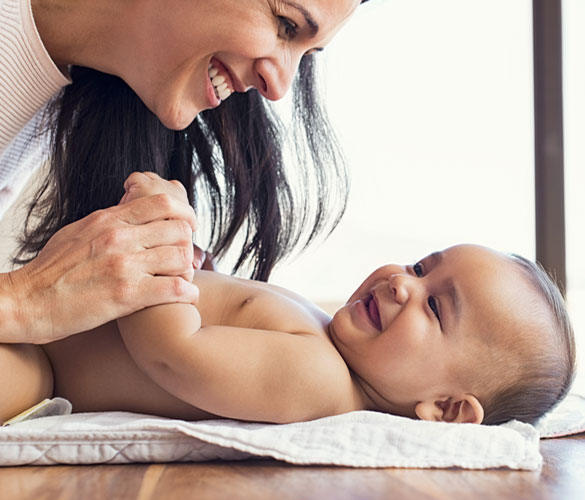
[574, 126]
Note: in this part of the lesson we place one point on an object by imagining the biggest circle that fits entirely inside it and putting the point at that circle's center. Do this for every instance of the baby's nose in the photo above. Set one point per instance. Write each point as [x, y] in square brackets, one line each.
[399, 287]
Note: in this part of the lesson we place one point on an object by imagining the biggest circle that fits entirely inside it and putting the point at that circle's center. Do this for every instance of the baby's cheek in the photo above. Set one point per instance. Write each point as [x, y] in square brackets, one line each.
[407, 333]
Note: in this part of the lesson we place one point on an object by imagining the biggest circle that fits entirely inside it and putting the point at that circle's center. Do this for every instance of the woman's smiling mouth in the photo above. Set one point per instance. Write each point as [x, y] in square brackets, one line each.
[221, 80]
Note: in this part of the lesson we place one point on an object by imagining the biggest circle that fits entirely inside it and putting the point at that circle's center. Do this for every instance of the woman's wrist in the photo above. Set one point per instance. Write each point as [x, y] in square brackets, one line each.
[12, 324]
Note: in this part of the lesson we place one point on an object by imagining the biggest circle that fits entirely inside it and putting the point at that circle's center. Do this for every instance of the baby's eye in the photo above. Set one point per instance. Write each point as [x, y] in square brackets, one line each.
[418, 269]
[433, 305]
[287, 29]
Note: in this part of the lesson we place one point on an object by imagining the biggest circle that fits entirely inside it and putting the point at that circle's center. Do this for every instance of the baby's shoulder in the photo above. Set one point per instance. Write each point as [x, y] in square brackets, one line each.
[244, 303]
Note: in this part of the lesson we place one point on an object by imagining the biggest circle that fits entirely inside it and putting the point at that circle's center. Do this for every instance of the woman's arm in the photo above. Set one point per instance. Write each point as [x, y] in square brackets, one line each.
[240, 373]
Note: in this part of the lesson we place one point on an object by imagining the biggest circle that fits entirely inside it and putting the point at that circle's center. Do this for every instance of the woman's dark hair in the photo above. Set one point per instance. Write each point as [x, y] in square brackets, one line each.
[233, 156]
[546, 368]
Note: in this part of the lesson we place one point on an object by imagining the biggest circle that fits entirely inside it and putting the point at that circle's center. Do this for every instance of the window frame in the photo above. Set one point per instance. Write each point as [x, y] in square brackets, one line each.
[548, 139]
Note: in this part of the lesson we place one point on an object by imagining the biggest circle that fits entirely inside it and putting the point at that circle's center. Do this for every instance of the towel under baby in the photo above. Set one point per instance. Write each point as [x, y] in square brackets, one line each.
[357, 439]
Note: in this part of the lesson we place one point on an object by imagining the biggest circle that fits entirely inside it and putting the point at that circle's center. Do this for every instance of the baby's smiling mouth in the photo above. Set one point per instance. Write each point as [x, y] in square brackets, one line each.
[373, 312]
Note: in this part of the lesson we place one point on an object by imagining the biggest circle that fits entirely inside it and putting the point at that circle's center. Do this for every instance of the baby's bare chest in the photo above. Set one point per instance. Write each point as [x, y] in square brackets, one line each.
[258, 307]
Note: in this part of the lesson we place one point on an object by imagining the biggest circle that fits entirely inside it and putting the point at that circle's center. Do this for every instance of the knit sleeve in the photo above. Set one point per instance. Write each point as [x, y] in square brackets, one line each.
[28, 79]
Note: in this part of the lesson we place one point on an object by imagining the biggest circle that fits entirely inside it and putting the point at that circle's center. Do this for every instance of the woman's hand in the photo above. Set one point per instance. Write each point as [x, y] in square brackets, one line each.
[107, 265]
[141, 184]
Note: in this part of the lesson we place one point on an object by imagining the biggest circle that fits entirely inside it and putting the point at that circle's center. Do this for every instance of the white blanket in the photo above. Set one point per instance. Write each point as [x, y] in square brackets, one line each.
[358, 439]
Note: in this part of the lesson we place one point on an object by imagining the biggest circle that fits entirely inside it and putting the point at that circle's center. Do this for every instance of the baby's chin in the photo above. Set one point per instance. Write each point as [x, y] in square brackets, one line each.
[337, 315]
[331, 330]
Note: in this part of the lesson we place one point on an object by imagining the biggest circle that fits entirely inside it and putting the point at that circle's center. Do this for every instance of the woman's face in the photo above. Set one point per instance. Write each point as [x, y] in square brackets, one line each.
[242, 44]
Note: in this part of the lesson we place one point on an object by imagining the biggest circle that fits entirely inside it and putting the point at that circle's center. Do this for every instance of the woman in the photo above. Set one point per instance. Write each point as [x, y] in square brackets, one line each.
[160, 86]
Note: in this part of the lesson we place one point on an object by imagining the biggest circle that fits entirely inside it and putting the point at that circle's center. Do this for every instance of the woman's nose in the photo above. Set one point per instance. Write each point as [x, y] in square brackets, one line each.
[276, 76]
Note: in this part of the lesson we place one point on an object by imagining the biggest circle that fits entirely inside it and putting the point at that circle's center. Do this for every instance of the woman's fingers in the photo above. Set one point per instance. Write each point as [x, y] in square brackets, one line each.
[168, 261]
[165, 245]
[175, 232]
[150, 208]
[156, 290]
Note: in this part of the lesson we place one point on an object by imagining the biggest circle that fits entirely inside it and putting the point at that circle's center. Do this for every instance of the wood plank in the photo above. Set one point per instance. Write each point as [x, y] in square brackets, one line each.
[561, 477]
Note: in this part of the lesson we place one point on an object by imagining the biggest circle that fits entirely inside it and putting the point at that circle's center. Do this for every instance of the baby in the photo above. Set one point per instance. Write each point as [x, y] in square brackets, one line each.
[467, 334]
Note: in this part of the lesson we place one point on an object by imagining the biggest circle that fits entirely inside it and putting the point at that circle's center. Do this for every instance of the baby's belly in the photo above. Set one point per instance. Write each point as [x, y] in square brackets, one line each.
[94, 371]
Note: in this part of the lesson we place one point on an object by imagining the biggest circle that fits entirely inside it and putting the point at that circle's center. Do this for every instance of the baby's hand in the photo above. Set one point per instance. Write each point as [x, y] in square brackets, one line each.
[207, 260]
[139, 184]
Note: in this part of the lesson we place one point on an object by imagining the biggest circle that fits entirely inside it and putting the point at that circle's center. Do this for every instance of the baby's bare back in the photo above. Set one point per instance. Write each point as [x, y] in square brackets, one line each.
[95, 372]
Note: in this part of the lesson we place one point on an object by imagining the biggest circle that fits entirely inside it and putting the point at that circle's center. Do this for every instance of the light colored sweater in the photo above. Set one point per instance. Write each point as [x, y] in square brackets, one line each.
[28, 79]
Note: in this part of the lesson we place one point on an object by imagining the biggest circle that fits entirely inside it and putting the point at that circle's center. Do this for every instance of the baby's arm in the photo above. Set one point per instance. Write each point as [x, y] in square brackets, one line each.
[240, 373]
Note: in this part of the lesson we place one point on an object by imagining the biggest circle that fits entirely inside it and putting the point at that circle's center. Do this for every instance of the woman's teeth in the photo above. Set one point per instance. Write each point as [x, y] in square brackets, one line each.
[222, 91]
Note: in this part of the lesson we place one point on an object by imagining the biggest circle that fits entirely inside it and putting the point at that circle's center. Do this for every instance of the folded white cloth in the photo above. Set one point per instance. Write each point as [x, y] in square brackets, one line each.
[566, 419]
[358, 439]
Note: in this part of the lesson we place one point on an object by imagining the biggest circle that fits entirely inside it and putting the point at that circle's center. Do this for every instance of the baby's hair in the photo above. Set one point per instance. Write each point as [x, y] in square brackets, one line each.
[546, 371]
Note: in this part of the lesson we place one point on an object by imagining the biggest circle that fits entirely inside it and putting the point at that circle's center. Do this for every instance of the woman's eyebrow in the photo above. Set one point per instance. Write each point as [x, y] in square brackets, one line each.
[313, 26]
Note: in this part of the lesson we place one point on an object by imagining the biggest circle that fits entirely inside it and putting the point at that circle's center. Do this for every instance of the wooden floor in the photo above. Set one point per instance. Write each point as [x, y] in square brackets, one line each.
[561, 477]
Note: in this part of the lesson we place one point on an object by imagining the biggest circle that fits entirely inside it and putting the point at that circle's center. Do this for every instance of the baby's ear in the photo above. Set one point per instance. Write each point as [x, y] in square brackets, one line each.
[465, 408]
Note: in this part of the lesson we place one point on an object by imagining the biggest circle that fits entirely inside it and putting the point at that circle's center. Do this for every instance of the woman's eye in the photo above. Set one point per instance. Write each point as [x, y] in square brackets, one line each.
[433, 305]
[418, 269]
[287, 29]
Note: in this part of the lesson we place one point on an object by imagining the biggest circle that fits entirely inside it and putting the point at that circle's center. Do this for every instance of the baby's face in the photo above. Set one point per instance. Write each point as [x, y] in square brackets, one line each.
[412, 333]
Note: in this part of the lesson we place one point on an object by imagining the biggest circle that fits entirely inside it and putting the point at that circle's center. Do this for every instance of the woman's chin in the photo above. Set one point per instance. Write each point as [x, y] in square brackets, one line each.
[177, 121]
[177, 116]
